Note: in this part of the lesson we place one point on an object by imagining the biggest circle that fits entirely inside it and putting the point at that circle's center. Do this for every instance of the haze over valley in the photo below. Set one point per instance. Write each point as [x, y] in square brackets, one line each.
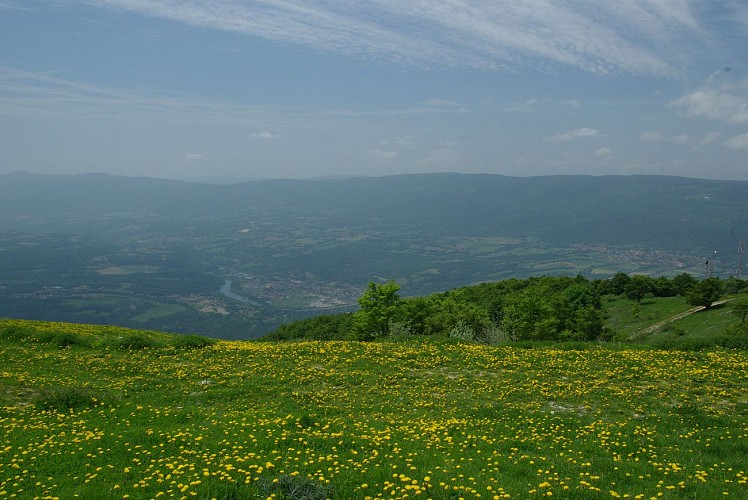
[237, 260]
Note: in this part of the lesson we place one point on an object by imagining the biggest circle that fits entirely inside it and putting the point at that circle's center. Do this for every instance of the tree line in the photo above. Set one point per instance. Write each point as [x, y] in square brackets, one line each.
[539, 308]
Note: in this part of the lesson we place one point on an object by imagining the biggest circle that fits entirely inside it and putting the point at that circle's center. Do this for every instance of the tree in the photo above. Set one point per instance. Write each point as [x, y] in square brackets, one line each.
[379, 305]
[704, 293]
[618, 283]
[683, 283]
[447, 313]
[740, 309]
[528, 315]
[638, 287]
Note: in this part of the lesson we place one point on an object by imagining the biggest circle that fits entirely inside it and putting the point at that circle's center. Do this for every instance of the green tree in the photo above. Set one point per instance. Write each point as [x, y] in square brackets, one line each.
[579, 312]
[447, 313]
[740, 309]
[379, 306]
[683, 283]
[705, 293]
[618, 283]
[638, 287]
[528, 315]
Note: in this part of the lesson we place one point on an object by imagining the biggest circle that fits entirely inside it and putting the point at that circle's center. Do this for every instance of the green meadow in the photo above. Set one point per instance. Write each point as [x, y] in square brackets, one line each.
[104, 413]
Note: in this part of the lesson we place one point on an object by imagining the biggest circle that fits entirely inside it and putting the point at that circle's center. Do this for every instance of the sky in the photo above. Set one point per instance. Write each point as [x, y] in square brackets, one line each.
[225, 90]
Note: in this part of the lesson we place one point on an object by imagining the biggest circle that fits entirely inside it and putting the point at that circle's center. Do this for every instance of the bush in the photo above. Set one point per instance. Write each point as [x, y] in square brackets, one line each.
[70, 339]
[13, 332]
[192, 342]
[461, 331]
[493, 335]
[294, 488]
[134, 342]
[672, 329]
[66, 398]
[725, 341]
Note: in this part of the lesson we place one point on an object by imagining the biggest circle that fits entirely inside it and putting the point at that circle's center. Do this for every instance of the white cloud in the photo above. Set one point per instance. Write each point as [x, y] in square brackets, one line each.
[591, 35]
[603, 152]
[738, 142]
[404, 141]
[680, 139]
[652, 136]
[13, 6]
[442, 103]
[657, 136]
[380, 154]
[193, 158]
[264, 135]
[711, 137]
[580, 133]
[715, 104]
[740, 15]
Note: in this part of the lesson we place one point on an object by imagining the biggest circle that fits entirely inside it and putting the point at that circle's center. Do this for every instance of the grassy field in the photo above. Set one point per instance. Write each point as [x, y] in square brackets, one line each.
[92, 412]
[653, 322]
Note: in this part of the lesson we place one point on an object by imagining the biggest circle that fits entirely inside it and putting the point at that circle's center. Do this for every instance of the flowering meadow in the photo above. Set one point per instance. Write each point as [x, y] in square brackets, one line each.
[91, 412]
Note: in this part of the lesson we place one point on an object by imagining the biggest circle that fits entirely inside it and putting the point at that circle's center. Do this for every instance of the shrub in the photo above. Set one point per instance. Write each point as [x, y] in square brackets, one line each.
[294, 488]
[461, 331]
[493, 335]
[66, 398]
[725, 341]
[70, 339]
[192, 342]
[134, 342]
[13, 332]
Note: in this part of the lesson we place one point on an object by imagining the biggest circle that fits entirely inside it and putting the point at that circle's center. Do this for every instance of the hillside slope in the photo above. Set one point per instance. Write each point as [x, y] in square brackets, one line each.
[357, 420]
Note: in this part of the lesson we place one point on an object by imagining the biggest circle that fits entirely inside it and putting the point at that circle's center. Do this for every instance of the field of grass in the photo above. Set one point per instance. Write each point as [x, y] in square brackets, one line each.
[650, 323]
[91, 412]
[629, 318]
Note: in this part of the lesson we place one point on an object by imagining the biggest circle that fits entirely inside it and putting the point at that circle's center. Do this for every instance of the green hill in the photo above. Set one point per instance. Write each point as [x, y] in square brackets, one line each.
[662, 312]
[98, 412]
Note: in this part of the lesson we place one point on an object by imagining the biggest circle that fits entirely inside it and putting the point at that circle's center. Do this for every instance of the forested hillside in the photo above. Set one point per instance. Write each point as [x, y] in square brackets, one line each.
[555, 309]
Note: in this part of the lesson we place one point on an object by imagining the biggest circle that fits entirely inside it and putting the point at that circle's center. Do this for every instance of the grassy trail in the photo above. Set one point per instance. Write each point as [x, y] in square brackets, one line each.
[656, 326]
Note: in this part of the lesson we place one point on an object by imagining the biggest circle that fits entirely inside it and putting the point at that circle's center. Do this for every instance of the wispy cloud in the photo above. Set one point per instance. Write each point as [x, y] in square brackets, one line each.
[381, 154]
[715, 103]
[738, 142]
[193, 158]
[710, 137]
[579, 133]
[597, 37]
[739, 14]
[721, 98]
[652, 136]
[264, 135]
[603, 152]
[658, 136]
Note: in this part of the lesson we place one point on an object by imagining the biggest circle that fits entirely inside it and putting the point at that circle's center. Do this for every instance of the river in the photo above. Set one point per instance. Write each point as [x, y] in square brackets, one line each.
[226, 291]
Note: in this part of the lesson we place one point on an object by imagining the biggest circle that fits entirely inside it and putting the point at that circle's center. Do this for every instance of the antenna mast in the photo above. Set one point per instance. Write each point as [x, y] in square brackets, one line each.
[709, 265]
[741, 250]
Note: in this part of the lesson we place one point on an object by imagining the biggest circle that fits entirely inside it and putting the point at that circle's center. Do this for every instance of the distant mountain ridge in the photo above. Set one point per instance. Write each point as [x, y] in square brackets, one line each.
[669, 212]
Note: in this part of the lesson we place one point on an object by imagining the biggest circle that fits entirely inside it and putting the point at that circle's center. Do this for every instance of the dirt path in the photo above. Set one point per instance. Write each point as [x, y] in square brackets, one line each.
[653, 328]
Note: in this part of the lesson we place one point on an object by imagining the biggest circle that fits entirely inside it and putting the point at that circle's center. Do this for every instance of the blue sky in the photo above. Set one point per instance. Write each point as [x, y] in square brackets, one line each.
[243, 89]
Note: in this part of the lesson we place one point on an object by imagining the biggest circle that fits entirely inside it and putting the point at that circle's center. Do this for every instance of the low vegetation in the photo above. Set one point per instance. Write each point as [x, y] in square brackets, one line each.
[516, 389]
[410, 416]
